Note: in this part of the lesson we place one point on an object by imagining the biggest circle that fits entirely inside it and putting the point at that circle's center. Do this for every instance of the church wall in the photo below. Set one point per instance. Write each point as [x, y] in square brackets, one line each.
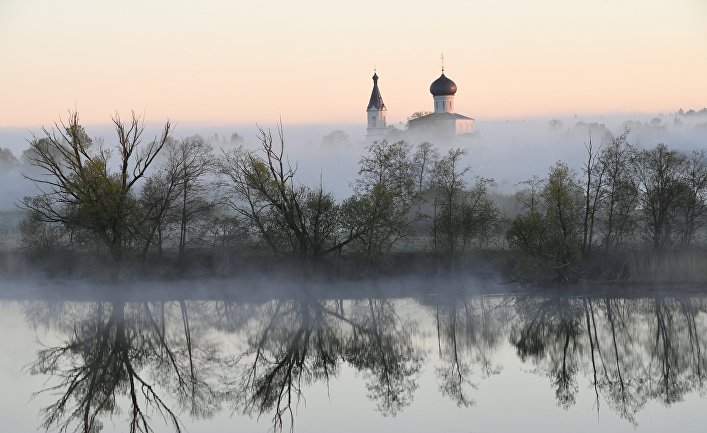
[464, 126]
[376, 119]
[377, 124]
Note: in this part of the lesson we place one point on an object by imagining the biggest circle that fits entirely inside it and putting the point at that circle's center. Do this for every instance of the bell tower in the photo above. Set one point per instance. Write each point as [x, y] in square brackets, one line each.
[376, 112]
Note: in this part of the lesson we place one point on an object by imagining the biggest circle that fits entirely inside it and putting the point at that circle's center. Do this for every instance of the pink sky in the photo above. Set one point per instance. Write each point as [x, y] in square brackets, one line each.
[311, 61]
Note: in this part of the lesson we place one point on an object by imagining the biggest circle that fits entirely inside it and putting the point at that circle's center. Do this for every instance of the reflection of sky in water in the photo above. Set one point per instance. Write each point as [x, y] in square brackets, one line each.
[512, 396]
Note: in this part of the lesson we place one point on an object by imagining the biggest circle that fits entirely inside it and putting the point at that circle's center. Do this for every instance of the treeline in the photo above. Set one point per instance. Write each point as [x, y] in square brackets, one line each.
[630, 213]
[178, 205]
[173, 207]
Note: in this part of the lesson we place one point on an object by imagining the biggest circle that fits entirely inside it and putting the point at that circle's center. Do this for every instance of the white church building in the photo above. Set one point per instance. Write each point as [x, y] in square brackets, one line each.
[442, 121]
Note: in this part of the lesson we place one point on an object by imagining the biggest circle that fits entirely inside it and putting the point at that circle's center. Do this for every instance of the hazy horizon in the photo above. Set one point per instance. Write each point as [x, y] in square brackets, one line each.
[509, 151]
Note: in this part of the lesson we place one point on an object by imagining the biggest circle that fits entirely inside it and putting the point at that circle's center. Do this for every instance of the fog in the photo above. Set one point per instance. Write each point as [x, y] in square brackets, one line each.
[510, 151]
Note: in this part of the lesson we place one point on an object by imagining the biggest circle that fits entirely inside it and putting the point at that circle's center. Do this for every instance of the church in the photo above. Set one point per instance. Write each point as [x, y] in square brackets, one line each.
[443, 121]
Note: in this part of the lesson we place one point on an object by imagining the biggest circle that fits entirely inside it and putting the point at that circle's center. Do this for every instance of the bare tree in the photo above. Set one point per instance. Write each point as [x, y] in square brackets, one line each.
[385, 189]
[479, 214]
[157, 197]
[449, 184]
[423, 161]
[616, 218]
[693, 200]
[528, 196]
[193, 157]
[593, 192]
[290, 218]
[78, 190]
[659, 175]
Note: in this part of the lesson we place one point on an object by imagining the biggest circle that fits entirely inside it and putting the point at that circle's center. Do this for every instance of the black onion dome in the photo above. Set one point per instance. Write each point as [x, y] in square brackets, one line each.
[443, 86]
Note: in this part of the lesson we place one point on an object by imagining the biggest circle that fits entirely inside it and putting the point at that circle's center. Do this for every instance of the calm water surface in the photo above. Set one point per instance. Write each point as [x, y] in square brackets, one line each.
[451, 363]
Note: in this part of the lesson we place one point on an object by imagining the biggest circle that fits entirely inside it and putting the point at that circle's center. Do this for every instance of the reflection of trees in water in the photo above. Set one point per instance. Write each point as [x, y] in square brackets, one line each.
[675, 364]
[546, 330]
[289, 348]
[298, 342]
[612, 327]
[116, 350]
[633, 350]
[468, 333]
[142, 359]
[380, 345]
[144, 351]
[647, 349]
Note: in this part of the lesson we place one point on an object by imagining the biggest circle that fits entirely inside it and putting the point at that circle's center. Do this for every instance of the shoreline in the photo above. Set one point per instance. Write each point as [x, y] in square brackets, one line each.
[264, 289]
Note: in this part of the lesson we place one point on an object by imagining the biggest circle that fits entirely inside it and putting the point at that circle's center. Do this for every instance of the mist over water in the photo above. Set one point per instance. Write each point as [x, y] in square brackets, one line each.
[238, 360]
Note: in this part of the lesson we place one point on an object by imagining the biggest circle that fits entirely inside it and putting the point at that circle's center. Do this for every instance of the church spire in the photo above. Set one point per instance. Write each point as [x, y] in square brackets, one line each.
[376, 111]
[376, 101]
